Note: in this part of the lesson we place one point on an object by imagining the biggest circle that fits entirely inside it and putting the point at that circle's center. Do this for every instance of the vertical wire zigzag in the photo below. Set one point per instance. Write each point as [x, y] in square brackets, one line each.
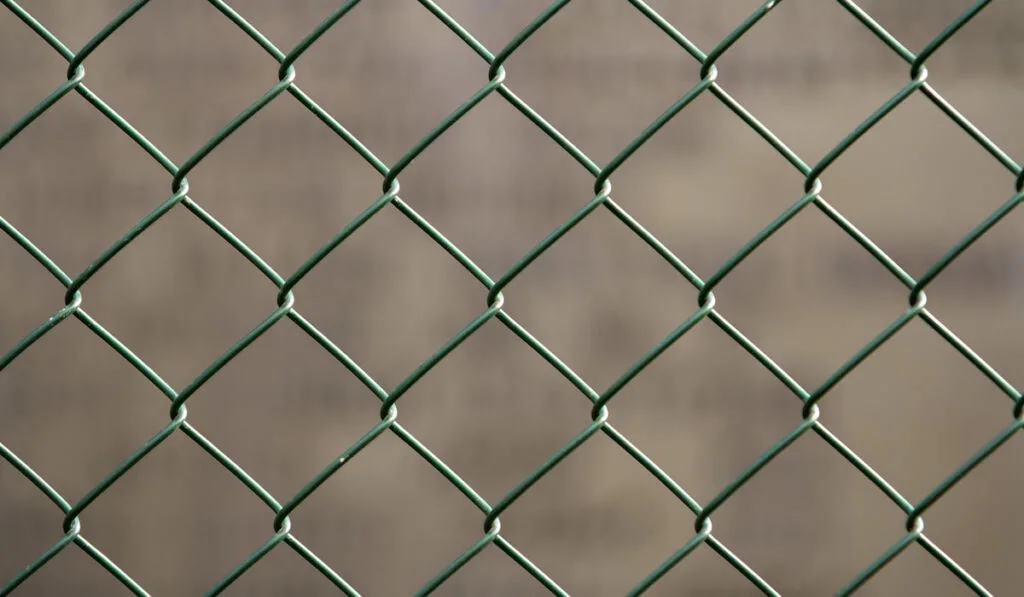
[285, 299]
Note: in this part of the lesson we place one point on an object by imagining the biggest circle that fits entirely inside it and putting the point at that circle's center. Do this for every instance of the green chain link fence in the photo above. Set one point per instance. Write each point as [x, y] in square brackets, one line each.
[810, 399]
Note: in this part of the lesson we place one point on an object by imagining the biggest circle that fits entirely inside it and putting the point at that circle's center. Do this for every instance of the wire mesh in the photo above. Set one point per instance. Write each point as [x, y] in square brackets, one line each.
[811, 399]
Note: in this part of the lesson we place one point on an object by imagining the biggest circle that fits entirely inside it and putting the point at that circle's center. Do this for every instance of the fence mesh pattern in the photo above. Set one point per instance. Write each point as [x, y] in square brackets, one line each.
[809, 401]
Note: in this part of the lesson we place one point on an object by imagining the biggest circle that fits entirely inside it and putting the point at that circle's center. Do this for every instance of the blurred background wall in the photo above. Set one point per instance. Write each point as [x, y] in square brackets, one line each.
[495, 185]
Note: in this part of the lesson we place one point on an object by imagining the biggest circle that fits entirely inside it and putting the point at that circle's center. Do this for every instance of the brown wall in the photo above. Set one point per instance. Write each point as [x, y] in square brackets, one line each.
[179, 296]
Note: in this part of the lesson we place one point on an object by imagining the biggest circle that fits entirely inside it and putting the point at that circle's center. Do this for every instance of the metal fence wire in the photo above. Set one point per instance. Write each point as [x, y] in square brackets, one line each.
[283, 535]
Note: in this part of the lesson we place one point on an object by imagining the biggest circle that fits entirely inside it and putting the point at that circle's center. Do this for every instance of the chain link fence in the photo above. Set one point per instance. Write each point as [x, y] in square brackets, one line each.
[496, 303]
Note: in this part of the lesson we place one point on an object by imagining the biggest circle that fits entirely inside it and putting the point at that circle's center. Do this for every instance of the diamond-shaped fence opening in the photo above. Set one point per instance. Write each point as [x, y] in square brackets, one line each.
[400, 76]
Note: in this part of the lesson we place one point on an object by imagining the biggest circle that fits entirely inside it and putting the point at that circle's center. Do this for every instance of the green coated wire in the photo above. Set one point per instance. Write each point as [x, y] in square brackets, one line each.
[280, 526]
